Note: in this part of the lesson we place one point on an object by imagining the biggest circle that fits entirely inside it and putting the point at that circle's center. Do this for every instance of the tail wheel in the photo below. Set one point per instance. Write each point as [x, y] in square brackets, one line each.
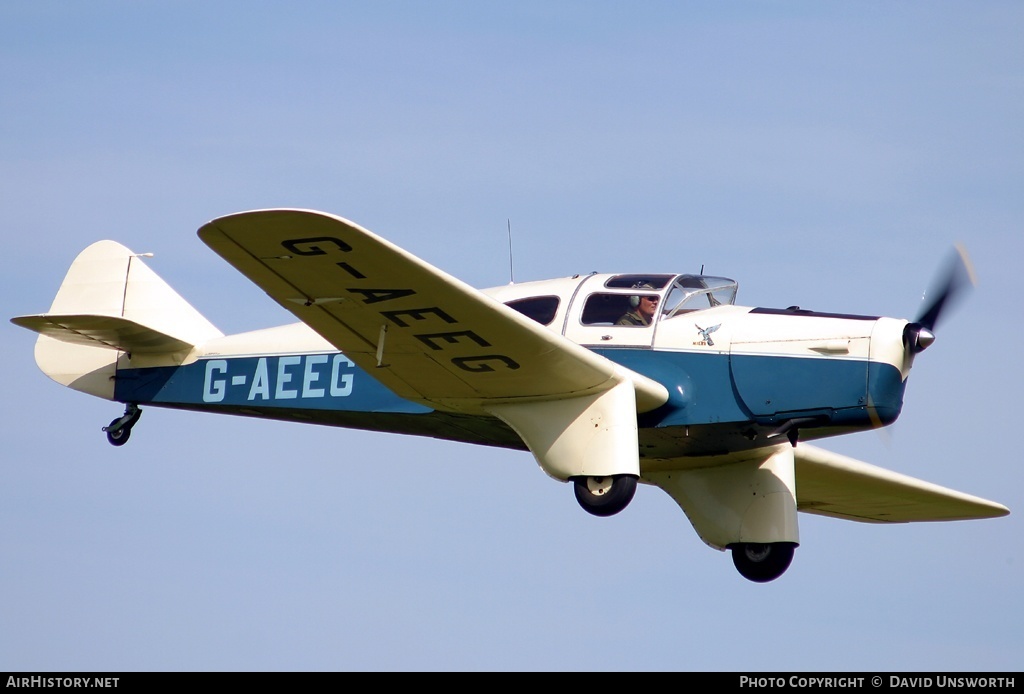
[120, 429]
[119, 436]
[762, 562]
[604, 496]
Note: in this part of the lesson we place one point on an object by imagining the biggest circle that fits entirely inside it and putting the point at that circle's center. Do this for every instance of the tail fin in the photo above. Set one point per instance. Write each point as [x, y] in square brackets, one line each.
[110, 308]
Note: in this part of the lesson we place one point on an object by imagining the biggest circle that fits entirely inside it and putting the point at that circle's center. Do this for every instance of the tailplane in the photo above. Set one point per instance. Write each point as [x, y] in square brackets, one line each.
[110, 309]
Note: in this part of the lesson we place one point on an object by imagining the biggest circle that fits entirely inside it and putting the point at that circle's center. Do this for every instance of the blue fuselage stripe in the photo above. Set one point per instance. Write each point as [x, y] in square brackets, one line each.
[703, 388]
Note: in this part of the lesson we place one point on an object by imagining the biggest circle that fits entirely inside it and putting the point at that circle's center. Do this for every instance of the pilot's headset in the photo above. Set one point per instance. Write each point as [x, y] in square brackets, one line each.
[634, 300]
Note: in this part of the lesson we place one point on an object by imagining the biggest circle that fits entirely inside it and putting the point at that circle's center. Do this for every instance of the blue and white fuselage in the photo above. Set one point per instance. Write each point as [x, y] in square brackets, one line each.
[827, 372]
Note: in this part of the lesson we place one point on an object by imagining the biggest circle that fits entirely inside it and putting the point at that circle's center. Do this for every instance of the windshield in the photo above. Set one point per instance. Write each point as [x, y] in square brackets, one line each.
[697, 292]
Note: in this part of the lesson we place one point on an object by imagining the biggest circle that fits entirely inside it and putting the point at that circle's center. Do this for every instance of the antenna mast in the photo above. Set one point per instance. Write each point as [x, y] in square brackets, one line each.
[511, 273]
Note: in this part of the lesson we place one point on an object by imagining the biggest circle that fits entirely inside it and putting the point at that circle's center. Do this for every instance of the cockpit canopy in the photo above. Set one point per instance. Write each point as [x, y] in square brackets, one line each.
[602, 300]
[685, 292]
[696, 292]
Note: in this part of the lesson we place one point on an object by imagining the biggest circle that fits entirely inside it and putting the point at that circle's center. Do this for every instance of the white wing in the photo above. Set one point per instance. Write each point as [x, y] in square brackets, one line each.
[423, 333]
[830, 484]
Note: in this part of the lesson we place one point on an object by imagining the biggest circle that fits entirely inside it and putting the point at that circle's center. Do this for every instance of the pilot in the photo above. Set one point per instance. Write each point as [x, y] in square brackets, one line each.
[642, 308]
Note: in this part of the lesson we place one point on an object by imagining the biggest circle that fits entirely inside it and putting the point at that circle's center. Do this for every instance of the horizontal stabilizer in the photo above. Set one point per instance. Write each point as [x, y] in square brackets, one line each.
[834, 485]
[103, 331]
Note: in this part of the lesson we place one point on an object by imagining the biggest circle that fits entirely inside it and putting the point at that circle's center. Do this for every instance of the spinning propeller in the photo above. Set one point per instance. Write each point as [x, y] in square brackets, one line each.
[947, 287]
[950, 284]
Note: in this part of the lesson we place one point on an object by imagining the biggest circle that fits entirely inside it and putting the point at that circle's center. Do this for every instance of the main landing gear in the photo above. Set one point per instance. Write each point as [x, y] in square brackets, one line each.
[604, 496]
[120, 429]
[762, 562]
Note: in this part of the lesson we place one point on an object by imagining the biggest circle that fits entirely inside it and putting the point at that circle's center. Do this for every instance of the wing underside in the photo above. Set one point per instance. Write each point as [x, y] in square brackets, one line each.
[754, 496]
[834, 485]
[426, 335]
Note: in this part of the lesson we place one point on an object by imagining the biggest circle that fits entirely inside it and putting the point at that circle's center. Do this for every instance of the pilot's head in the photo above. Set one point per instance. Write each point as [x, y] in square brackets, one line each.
[644, 304]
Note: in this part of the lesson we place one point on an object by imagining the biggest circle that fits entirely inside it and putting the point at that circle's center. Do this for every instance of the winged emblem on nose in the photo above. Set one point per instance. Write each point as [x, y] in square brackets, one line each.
[706, 332]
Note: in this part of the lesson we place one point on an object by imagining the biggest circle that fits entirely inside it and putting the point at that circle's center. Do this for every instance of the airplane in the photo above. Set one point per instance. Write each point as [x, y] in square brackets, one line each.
[713, 402]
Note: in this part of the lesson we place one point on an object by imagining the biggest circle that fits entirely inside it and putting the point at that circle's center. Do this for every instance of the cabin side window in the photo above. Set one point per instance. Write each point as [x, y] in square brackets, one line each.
[620, 309]
[539, 308]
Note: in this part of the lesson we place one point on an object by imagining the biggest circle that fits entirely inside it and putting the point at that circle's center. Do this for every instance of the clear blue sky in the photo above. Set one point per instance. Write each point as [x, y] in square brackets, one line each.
[822, 154]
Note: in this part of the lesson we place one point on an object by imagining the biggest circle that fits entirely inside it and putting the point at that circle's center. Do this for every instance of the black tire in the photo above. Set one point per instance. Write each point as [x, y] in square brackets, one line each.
[604, 496]
[761, 562]
[118, 437]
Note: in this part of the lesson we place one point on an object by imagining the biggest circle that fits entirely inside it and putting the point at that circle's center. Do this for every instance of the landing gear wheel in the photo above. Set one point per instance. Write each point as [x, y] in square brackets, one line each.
[762, 562]
[118, 437]
[120, 429]
[604, 496]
